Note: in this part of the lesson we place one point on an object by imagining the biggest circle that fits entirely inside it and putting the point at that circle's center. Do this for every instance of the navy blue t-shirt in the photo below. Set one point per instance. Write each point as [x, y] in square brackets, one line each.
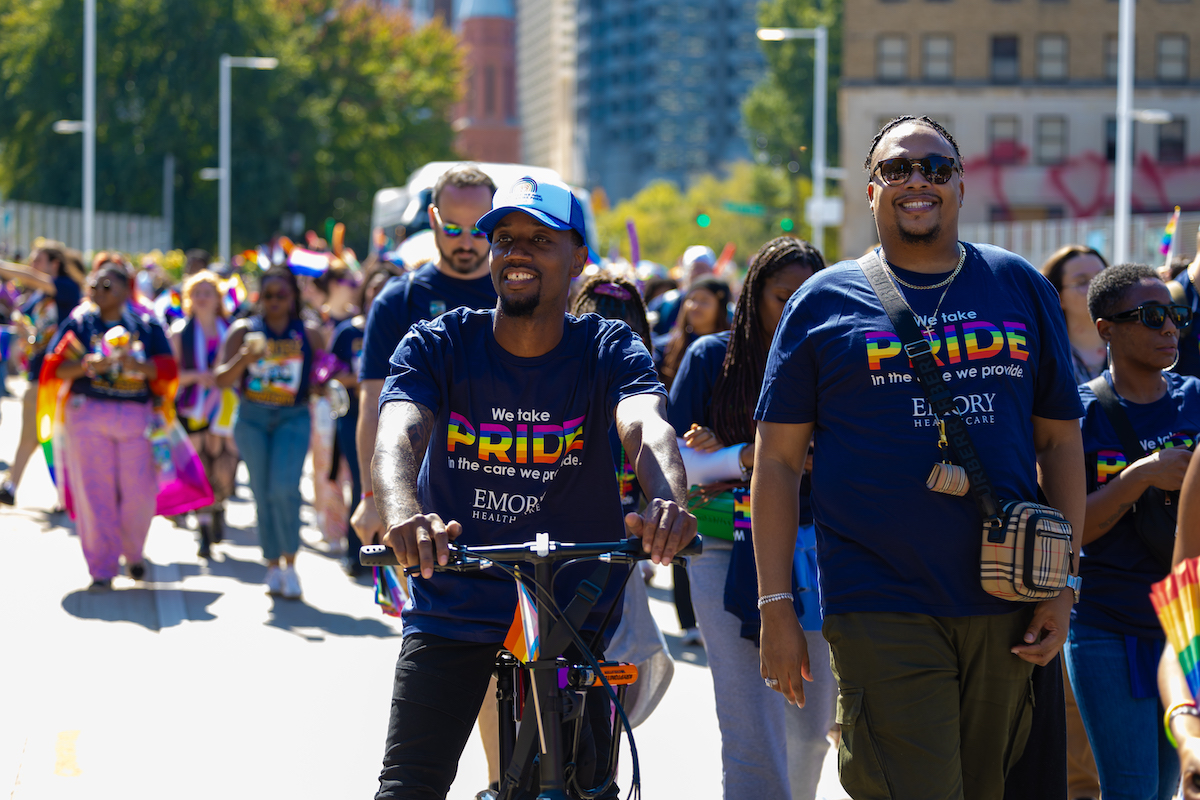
[1117, 568]
[348, 347]
[47, 312]
[520, 446]
[885, 542]
[692, 394]
[89, 329]
[422, 294]
[1189, 345]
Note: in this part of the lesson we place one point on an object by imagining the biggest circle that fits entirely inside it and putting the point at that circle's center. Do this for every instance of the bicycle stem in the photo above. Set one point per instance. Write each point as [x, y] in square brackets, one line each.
[547, 699]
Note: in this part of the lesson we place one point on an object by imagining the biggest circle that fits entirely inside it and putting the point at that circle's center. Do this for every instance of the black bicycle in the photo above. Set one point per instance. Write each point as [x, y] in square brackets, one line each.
[543, 759]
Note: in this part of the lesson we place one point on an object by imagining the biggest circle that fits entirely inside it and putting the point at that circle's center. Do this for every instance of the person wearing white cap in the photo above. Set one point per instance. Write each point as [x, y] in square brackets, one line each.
[698, 260]
[454, 437]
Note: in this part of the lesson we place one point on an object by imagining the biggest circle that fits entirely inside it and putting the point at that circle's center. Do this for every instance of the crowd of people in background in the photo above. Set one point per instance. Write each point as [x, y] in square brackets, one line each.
[294, 367]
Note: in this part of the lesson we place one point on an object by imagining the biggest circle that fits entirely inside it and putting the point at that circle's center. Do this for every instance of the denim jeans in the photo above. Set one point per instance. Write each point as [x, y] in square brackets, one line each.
[273, 443]
[347, 428]
[1133, 756]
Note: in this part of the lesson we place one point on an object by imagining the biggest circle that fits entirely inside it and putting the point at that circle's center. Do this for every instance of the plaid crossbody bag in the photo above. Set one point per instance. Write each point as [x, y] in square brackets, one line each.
[1026, 552]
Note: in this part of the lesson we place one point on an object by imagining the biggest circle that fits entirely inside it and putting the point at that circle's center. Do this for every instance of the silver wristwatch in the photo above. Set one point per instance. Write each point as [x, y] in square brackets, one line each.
[1076, 583]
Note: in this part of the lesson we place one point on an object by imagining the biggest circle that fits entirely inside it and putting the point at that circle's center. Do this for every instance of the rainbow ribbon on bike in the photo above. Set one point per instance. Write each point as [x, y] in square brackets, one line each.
[522, 639]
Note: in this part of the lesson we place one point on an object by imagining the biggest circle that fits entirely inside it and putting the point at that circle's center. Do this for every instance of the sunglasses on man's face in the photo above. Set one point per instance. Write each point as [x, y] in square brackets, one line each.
[454, 231]
[1154, 315]
[937, 169]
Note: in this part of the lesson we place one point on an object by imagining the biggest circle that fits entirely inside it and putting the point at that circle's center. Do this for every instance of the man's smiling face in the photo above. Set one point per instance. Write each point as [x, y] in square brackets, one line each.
[532, 265]
[917, 211]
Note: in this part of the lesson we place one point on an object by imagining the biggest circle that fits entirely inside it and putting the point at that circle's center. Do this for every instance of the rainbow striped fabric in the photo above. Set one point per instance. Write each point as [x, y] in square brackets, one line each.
[1176, 600]
[1169, 233]
[522, 639]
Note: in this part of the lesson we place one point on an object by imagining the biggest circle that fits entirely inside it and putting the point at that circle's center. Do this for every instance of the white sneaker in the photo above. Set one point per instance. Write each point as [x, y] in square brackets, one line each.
[291, 583]
[274, 581]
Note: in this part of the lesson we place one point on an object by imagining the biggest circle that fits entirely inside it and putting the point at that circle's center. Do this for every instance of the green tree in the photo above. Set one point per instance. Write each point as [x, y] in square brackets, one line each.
[779, 109]
[666, 218]
[358, 99]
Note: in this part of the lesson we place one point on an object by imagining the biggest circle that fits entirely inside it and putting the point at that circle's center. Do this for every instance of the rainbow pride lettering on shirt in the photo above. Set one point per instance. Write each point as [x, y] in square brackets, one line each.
[1110, 463]
[510, 443]
[969, 341]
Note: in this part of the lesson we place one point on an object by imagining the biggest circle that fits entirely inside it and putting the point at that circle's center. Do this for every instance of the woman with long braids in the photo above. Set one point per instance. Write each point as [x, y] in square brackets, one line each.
[769, 749]
[270, 355]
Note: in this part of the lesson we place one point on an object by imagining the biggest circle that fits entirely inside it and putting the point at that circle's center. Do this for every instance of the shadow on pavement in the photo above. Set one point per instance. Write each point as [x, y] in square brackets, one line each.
[138, 606]
[226, 566]
[306, 621]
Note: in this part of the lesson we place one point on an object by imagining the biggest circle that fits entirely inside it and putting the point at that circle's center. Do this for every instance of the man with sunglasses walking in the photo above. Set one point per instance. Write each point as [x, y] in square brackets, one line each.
[934, 672]
[458, 278]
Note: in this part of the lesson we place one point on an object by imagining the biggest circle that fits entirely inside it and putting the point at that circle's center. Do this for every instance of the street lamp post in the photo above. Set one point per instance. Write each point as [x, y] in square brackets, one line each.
[224, 194]
[820, 88]
[1122, 181]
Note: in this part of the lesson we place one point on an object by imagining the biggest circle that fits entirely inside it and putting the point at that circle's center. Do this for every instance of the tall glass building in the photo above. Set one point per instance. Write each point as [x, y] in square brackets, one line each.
[660, 88]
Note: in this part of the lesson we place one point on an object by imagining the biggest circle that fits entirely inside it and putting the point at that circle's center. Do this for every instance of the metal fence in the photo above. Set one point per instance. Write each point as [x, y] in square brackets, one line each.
[21, 223]
[1037, 240]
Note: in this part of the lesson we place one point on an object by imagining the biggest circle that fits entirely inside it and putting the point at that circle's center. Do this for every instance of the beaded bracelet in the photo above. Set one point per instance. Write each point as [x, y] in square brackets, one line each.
[1186, 707]
[771, 598]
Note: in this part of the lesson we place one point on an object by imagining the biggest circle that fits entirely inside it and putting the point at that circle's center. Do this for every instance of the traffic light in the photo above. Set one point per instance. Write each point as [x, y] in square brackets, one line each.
[787, 225]
[703, 220]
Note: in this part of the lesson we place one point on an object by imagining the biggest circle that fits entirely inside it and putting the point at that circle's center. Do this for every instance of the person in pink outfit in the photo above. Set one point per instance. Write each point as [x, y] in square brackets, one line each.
[109, 461]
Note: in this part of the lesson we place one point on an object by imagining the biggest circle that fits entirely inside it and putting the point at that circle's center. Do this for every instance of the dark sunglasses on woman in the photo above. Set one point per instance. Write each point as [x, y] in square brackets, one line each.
[937, 169]
[1154, 315]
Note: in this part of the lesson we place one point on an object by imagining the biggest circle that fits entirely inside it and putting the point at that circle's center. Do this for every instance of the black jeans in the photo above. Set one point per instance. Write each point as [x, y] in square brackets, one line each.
[440, 685]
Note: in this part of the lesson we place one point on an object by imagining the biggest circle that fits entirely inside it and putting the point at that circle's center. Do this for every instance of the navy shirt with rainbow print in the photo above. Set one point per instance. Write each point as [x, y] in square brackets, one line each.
[520, 446]
[884, 541]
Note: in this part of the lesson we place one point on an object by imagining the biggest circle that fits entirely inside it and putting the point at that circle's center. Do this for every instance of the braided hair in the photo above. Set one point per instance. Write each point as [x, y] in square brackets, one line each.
[736, 391]
[613, 297]
[922, 120]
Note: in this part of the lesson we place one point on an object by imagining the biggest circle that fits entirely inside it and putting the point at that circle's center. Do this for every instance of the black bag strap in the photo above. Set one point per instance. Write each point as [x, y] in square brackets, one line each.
[920, 352]
[1110, 404]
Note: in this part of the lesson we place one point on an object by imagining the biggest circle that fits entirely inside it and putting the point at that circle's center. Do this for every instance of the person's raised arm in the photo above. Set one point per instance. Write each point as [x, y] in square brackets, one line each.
[1058, 444]
[404, 432]
[33, 278]
[779, 453]
[366, 521]
[666, 525]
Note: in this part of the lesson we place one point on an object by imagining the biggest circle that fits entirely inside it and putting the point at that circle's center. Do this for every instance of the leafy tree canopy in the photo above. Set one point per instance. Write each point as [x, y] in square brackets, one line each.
[359, 99]
[747, 208]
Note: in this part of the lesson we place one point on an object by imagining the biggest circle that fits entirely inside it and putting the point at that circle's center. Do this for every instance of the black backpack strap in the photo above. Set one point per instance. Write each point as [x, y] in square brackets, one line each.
[1110, 404]
[920, 352]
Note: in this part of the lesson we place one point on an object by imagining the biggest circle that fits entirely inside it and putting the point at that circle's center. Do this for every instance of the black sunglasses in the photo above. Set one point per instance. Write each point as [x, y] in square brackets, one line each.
[895, 171]
[1154, 315]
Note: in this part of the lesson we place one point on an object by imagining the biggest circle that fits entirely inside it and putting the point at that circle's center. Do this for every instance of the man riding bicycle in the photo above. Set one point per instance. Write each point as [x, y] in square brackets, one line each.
[494, 427]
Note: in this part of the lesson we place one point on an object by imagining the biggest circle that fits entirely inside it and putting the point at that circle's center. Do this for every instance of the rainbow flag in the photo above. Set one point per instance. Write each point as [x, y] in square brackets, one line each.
[523, 640]
[1168, 238]
[390, 590]
[1176, 600]
[233, 293]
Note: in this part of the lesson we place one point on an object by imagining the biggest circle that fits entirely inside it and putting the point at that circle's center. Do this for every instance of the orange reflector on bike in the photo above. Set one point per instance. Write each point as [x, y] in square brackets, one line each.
[618, 674]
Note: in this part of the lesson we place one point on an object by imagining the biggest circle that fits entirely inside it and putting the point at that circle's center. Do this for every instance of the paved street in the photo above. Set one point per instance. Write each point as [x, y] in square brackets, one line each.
[196, 684]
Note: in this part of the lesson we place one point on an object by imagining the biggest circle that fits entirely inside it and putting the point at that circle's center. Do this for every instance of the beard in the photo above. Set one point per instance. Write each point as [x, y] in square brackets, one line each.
[523, 307]
[928, 237]
[448, 258]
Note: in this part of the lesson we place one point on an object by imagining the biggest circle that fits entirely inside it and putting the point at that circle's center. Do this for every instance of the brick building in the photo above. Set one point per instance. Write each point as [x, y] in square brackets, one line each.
[485, 122]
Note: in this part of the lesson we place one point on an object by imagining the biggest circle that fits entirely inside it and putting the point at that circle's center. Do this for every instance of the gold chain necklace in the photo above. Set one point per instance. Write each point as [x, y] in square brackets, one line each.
[962, 259]
[928, 329]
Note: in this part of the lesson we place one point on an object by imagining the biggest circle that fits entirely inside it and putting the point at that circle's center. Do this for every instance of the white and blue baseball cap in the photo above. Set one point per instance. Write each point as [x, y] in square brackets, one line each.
[549, 202]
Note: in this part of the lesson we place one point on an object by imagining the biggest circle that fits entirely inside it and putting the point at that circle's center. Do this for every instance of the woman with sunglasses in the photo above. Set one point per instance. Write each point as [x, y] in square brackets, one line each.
[270, 356]
[109, 459]
[1115, 639]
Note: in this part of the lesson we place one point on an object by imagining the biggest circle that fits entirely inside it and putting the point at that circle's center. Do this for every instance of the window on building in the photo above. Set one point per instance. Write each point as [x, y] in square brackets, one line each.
[1110, 138]
[1052, 57]
[1004, 143]
[1051, 140]
[1111, 57]
[892, 57]
[1173, 58]
[489, 91]
[1005, 66]
[937, 58]
[1172, 142]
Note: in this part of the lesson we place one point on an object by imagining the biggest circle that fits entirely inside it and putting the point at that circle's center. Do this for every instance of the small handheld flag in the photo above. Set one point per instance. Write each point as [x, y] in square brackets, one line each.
[1167, 247]
[523, 639]
[306, 262]
[1176, 600]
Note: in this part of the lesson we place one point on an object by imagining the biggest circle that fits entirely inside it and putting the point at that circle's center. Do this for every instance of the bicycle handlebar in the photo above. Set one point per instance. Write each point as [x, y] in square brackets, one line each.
[469, 559]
